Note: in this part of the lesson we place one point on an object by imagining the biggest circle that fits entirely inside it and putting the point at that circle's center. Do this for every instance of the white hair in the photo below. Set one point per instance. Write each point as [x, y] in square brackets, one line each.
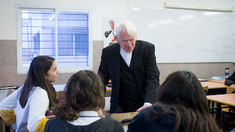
[128, 26]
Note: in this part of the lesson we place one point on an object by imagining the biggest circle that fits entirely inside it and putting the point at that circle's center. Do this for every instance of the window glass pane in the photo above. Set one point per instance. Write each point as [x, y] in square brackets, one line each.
[73, 39]
[38, 34]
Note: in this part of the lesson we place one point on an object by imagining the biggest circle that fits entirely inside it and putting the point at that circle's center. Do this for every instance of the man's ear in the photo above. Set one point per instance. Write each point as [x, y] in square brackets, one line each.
[116, 37]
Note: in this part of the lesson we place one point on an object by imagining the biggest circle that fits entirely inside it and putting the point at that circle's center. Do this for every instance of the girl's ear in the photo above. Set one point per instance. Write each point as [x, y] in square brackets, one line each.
[45, 76]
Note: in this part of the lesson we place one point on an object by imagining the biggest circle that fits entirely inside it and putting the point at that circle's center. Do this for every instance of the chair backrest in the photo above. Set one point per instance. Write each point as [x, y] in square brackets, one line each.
[10, 91]
[124, 118]
[106, 111]
[206, 89]
[59, 95]
[230, 90]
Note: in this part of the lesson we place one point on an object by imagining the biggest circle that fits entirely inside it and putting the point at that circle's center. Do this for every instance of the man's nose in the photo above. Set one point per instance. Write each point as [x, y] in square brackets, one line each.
[128, 43]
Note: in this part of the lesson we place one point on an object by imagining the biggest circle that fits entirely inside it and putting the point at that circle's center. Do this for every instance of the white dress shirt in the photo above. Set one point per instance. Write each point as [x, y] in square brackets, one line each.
[126, 56]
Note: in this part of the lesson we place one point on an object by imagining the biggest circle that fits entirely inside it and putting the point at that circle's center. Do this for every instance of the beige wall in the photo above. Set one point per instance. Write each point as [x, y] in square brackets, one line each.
[9, 76]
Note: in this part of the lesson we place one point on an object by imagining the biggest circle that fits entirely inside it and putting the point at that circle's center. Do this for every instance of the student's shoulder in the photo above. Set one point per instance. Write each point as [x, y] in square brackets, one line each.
[54, 125]
[108, 120]
[38, 90]
[55, 122]
[38, 93]
[116, 125]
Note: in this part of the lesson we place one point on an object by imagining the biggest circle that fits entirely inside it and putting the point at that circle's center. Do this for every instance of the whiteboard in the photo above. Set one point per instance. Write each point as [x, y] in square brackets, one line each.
[187, 36]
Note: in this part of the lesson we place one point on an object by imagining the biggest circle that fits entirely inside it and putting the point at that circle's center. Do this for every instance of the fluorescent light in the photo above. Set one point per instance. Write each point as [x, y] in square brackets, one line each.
[198, 8]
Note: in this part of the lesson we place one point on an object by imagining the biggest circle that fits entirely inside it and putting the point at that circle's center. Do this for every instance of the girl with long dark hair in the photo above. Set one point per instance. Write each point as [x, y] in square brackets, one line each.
[34, 98]
[181, 106]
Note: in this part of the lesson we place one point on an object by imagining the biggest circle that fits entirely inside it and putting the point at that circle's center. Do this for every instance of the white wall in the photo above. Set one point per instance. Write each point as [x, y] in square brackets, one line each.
[100, 9]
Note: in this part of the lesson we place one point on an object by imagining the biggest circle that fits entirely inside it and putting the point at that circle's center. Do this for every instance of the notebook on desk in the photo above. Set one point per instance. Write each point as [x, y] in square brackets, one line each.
[218, 77]
[202, 80]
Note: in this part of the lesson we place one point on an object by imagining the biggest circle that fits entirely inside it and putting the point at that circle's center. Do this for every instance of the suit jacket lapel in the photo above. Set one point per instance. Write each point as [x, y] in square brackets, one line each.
[116, 58]
[115, 64]
[136, 54]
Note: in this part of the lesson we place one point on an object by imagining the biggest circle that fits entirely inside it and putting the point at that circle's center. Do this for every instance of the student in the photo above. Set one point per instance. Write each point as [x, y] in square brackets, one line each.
[81, 110]
[181, 106]
[34, 98]
[230, 81]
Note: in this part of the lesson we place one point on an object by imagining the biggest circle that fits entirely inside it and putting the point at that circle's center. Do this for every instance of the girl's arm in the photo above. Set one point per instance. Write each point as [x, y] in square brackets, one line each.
[39, 104]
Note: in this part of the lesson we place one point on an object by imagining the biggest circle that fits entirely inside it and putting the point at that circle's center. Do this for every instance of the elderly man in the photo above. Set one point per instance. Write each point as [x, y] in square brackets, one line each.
[131, 66]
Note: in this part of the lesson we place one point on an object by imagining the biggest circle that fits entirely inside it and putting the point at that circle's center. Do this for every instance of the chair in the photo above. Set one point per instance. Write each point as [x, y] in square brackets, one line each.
[2, 125]
[9, 91]
[211, 104]
[206, 89]
[230, 90]
[124, 118]
[59, 96]
[106, 111]
[226, 110]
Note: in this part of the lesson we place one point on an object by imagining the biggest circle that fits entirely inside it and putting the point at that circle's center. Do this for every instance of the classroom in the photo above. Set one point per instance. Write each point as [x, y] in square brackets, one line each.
[99, 9]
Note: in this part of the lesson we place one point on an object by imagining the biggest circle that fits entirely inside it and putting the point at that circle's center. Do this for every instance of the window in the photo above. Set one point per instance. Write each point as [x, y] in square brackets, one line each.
[62, 34]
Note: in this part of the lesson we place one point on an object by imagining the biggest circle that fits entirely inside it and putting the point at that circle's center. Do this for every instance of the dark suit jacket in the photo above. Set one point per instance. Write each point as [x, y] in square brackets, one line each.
[145, 70]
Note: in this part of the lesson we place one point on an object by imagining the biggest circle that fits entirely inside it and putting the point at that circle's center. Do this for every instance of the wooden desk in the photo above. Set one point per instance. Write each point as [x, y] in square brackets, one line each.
[108, 89]
[122, 116]
[228, 99]
[213, 85]
[218, 81]
[109, 85]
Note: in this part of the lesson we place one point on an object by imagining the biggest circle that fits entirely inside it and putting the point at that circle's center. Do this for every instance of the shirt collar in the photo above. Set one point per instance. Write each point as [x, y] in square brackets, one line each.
[85, 118]
[126, 56]
[123, 51]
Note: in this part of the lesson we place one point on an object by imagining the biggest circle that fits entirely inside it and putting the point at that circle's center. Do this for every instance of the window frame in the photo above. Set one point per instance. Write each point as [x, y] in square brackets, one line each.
[24, 70]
